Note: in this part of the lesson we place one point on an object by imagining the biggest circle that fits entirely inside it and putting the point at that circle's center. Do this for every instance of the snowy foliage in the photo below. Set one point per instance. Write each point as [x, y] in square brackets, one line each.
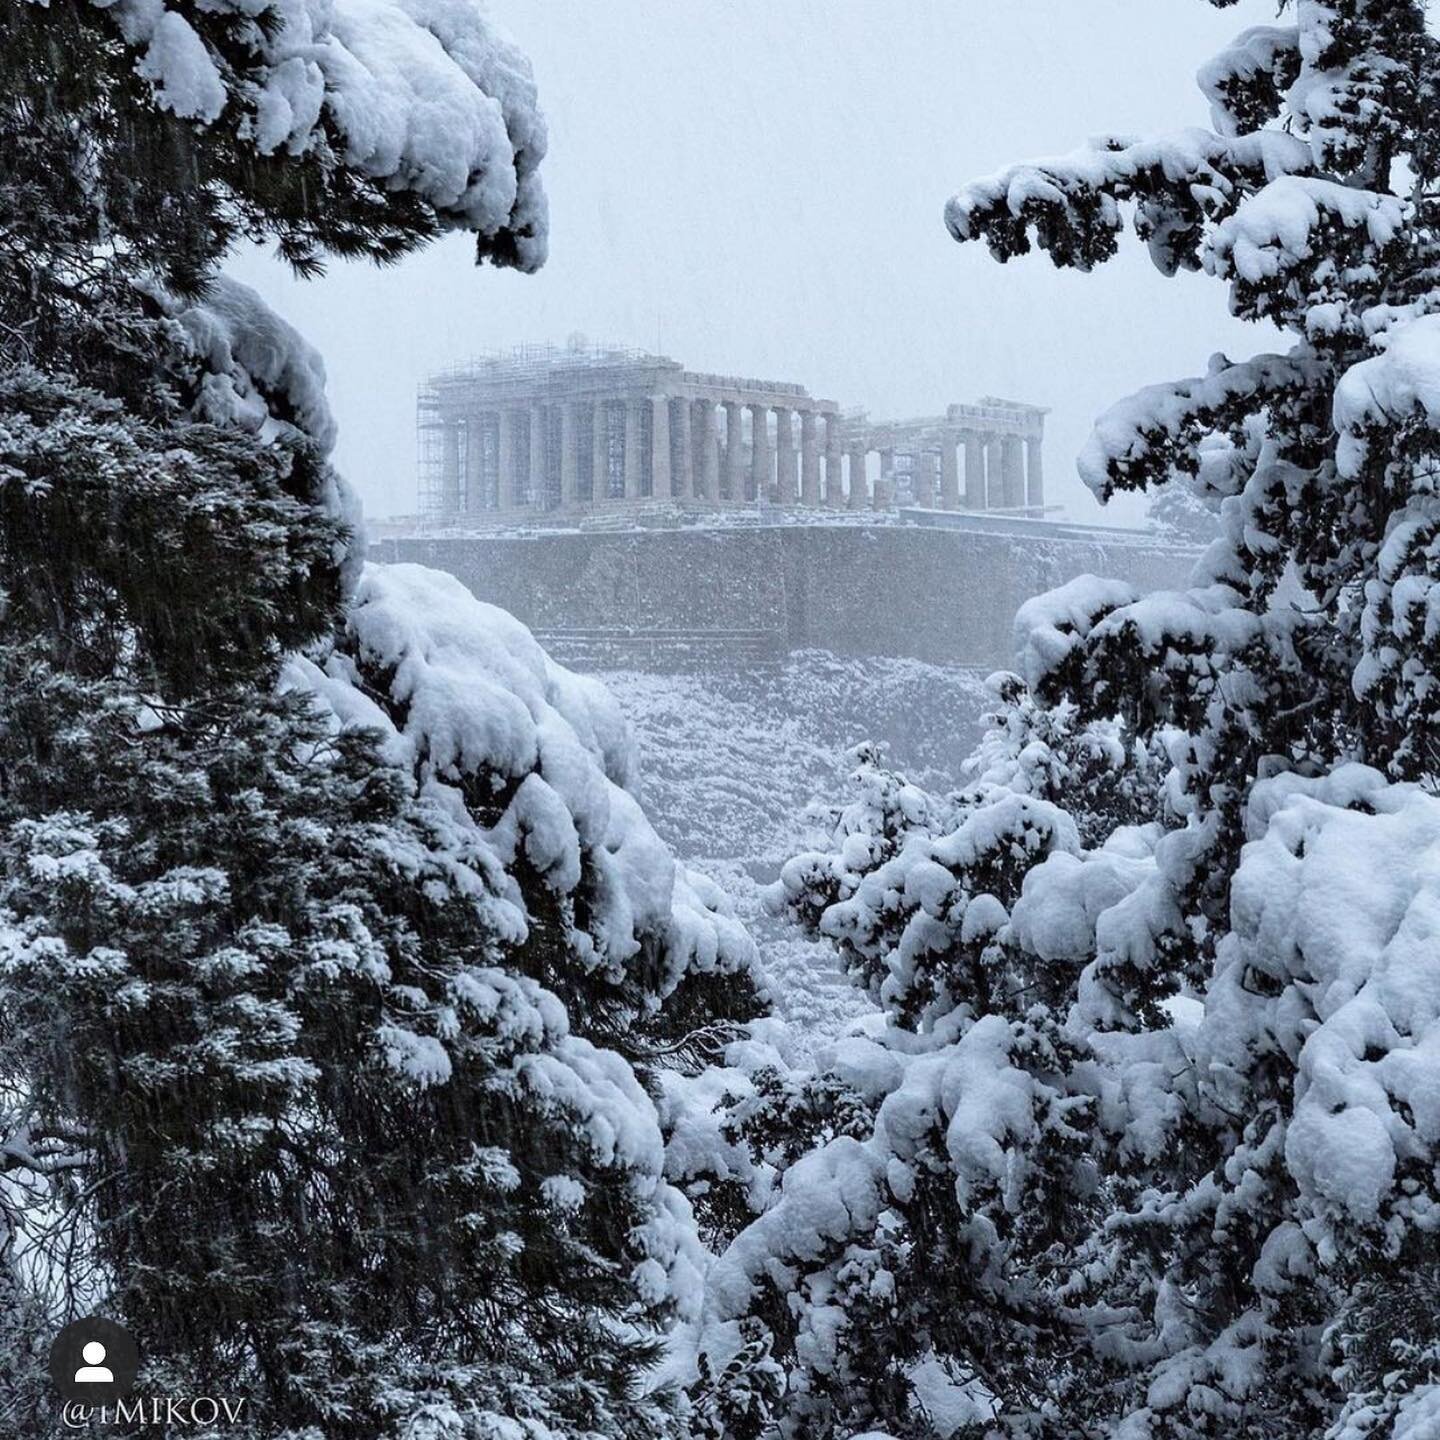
[280, 975]
[903, 1259]
[1147, 1147]
[916, 885]
[338, 962]
[533, 763]
[1296, 674]
[250, 369]
[256, 371]
[418, 97]
[131, 497]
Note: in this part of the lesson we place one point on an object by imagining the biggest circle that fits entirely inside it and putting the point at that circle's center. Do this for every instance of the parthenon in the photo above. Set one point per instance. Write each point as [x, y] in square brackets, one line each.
[547, 432]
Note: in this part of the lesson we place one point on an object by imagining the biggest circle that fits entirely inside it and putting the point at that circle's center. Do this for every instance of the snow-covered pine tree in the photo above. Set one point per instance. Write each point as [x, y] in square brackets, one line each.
[928, 1196]
[1286, 1204]
[288, 942]
[1250, 1256]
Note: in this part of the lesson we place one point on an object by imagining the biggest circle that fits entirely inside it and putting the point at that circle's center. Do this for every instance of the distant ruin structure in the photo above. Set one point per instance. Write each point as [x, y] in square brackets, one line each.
[545, 432]
[985, 456]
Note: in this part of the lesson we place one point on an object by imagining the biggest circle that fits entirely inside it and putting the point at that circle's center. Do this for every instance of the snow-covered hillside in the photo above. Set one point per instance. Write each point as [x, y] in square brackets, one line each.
[730, 760]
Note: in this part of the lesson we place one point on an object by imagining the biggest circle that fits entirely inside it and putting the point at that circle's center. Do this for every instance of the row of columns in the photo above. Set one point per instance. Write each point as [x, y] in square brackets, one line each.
[675, 444]
[1000, 472]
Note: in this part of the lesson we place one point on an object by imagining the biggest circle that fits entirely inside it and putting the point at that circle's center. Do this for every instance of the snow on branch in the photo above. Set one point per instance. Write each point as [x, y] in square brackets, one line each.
[1380, 394]
[1310, 254]
[259, 370]
[1354, 86]
[972, 1092]
[1050, 627]
[1180, 183]
[422, 96]
[1247, 81]
[1331, 964]
[533, 762]
[1385, 407]
[1165, 653]
[1296, 218]
[1149, 436]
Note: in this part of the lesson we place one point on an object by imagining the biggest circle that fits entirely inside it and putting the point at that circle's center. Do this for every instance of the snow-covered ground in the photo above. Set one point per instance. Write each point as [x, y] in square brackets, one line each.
[730, 761]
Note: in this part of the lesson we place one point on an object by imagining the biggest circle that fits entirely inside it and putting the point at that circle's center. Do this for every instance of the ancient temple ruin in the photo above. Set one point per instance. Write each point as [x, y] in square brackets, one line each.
[986, 456]
[541, 432]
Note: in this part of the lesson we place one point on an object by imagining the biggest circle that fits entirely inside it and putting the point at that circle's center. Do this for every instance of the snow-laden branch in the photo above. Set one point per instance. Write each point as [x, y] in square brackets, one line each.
[470, 703]
[1334, 908]
[1297, 218]
[259, 371]
[422, 96]
[1180, 184]
[1148, 436]
[1247, 81]
[1398, 386]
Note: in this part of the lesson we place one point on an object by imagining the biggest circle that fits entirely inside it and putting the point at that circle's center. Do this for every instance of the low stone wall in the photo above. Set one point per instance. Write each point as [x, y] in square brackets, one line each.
[944, 595]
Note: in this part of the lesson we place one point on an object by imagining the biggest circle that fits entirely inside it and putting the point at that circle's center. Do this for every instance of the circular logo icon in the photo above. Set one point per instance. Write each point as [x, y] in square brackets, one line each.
[94, 1360]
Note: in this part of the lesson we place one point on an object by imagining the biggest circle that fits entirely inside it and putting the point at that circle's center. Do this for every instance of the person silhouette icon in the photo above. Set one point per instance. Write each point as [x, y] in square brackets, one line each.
[92, 1372]
[92, 1359]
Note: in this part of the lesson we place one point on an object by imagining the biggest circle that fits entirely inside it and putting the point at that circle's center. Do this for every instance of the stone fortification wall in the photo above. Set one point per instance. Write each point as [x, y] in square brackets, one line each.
[947, 596]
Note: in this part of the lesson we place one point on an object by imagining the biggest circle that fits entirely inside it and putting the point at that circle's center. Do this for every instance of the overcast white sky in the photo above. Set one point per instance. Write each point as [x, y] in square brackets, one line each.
[757, 187]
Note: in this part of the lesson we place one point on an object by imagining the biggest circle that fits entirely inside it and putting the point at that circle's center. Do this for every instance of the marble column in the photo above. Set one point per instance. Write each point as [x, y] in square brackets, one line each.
[684, 475]
[925, 478]
[600, 453]
[661, 476]
[734, 452]
[707, 482]
[834, 474]
[569, 453]
[475, 464]
[859, 485]
[786, 477]
[449, 467]
[1012, 466]
[974, 471]
[809, 459]
[537, 457]
[633, 430]
[949, 474]
[507, 483]
[994, 474]
[1034, 472]
[761, 468]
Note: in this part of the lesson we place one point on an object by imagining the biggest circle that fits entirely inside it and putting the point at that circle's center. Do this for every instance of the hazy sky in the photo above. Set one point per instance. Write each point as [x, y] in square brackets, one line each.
[755, 186]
